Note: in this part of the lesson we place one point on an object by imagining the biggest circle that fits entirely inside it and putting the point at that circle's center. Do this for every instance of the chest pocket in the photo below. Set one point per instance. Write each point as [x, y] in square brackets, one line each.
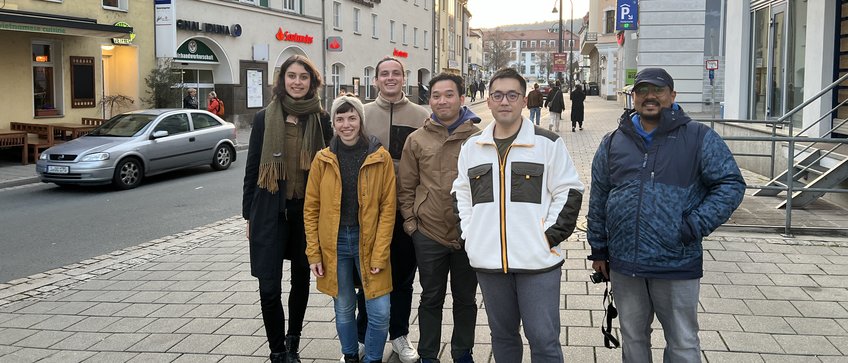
[526, 182]
[480, 178]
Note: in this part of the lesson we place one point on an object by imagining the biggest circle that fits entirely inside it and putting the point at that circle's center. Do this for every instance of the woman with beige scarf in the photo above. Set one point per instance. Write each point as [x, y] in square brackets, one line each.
[286, 136]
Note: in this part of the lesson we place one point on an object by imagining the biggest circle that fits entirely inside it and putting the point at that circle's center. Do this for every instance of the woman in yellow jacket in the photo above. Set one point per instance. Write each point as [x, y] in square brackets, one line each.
[349, 215]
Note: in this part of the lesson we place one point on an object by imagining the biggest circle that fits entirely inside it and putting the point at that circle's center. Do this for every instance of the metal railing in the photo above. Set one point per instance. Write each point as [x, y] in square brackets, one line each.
[791, 139]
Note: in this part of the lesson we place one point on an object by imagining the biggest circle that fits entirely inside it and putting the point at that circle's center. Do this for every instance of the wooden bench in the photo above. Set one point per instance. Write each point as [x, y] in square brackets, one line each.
[39, 136]
[90, 121]
[10, 138]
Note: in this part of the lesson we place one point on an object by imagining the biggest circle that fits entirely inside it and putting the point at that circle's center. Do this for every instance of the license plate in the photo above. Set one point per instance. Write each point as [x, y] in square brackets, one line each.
[57, 169]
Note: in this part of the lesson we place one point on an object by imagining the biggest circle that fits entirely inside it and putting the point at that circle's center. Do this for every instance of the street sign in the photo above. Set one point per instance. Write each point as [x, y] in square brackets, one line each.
[627, 15]
[711, 64]
[560, 62]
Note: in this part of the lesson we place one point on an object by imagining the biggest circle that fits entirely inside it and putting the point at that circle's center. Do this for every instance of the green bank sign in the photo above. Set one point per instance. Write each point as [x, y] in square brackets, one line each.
[194, 50]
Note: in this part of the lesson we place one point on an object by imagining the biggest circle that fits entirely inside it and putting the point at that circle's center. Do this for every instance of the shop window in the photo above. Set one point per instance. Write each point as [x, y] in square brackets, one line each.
[293, 6]
[116, 4]
[82, 82]
[46, 79]
[369, 80]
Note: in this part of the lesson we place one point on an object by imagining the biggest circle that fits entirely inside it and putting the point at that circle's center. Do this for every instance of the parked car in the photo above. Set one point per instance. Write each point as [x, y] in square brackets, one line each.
[134, 145]
[545, 88]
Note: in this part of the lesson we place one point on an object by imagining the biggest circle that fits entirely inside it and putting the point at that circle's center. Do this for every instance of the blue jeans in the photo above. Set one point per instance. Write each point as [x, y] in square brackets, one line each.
[345, 304]
[675, 303]
[535, 114]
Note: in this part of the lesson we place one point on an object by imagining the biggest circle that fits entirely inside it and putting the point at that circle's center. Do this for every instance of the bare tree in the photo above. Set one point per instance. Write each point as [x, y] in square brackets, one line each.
[496, 50]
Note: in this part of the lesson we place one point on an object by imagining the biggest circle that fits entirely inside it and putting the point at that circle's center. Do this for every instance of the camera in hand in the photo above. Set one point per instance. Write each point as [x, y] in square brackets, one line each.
[598, 278]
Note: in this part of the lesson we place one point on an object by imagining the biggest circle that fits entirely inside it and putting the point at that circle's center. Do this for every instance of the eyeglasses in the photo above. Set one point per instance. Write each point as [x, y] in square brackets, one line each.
[511, 96]
[645, 89]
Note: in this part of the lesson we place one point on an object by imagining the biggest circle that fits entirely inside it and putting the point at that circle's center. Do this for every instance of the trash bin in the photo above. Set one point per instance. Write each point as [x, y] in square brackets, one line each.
[593, 89]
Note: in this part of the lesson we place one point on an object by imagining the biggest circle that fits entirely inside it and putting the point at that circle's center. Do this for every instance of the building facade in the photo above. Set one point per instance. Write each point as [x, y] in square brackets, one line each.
[449, 36]
[531, 52]
[361, 32]
[64, 56]
[236, 47]
[475, 55]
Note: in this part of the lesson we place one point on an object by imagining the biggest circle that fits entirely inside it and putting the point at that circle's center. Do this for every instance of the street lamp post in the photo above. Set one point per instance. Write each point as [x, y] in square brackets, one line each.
[559, 73]
[570, 42]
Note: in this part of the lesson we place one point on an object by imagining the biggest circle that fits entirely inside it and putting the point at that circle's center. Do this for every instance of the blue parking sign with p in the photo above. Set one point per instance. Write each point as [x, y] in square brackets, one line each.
[626, 15]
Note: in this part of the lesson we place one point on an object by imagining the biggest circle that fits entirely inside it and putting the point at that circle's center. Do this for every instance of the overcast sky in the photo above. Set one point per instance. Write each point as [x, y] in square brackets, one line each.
[491, 13]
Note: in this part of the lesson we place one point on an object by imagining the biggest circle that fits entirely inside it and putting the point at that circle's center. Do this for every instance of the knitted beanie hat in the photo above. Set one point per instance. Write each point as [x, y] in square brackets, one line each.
[353, 101]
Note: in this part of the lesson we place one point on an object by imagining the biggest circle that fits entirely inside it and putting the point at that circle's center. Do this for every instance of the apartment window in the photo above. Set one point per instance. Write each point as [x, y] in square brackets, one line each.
[116, 4]
[532, 44]
[82, 82]
[515, 44]
[532, 69]
[356, 28]
[406, 81]
[292, 6]
[336, 74]
[46, 77]
[404, 34]
[391, 30]
[551, 43]
[609, 21]
[426, 40]
[374, 25]
[415, 37]
[523, 44]
[369, 80]
[337, 15]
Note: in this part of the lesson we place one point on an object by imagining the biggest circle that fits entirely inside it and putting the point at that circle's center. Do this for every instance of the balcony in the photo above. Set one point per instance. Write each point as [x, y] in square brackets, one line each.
[587, 44]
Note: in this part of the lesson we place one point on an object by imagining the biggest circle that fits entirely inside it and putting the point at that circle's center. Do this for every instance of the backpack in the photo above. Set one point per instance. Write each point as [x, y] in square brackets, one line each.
[220, 111]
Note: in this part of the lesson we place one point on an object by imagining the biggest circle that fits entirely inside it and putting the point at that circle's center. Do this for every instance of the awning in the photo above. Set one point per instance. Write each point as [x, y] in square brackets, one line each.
[24, 21]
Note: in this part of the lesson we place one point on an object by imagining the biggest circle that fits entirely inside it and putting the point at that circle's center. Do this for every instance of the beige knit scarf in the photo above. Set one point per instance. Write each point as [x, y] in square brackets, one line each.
[272, 161]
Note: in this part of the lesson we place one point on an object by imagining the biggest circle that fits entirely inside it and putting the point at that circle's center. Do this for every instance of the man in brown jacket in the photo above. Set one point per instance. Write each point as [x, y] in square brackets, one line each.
[426, 172]
[534, 103]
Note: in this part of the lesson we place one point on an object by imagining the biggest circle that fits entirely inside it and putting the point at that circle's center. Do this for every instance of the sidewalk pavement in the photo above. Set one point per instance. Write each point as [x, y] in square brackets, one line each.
[189, 297]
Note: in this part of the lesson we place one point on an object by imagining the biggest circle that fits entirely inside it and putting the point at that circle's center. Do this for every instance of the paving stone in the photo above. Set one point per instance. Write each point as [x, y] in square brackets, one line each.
[245, 311]
[93, 323]
[28, 355]
[244, 286]
[575, 318]
[768, 257]
[172, 311]
[807, 258]
[111, 357]
[766, 246]
[233, 359]
[126, 285]
[198, 358]
[139, 310]
[792, 280]
[40, 307]
[783, 358]
[764, 324]
[183, 285]
[240, 327]
[145, 297]
[753, 279]
[189, 276]
[719, 322]
[721, 266]
[24, 321]
[164, 325]
[208, 311]
[177, 297]
[161, 275]
[240, 345]
[43, 339]
[800, 269]
[840, 343]
[197, 343]
[831, 281]
[7, 349]
[751, 342]
[80, 341]
[806, 344]
[739, 292]
[157, 342]
[711, 340]
[820, 309]
[58, 322]
[814, 326]
[118, 342]
[242, 297]
[202, 326]
[210, 297]
[731, 256]
[128, 325]
[759, 268]
[73, 307]
[784, 293]
[154, 358]
[727, 306]
[772, 308]
[105, 309]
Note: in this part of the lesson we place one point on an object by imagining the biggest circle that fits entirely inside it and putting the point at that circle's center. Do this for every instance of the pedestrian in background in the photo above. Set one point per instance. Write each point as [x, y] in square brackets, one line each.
[481, 86]
[534, 103]
[190, 100]
[391, 118]
[473, 86]
[286, 135]
[513, 217]
[577, 97]
[349, 216]
[660, 184]
[214, 104]
[555, 104]
[426, 171]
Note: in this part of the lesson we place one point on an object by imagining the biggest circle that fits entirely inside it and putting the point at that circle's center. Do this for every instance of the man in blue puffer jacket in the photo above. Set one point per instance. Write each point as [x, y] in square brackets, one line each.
[660, 183]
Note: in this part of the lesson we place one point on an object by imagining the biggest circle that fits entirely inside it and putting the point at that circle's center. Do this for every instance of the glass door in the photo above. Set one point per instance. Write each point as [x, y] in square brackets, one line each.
[768, 94]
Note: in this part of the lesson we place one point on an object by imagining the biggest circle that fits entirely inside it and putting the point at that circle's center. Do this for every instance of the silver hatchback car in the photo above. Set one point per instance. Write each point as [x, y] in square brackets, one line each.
[137, 144]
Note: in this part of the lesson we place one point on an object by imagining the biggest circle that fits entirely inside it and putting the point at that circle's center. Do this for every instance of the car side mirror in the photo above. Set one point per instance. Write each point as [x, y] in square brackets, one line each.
[158, 134]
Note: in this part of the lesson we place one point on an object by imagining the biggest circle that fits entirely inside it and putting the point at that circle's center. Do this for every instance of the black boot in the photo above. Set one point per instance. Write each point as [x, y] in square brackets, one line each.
[353, 358]
[279, 357]
[293, 345]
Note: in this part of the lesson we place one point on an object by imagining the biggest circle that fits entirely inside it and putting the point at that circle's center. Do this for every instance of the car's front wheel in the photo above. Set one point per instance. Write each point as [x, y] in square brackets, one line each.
[128, 174]
[223, 157]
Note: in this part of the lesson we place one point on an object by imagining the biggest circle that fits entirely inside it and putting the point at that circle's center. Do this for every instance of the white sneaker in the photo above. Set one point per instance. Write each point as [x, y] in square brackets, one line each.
[361, 353]
[405, 351]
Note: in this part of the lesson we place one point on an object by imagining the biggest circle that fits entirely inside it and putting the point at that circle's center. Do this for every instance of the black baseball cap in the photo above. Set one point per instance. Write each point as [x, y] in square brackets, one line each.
[655, 76]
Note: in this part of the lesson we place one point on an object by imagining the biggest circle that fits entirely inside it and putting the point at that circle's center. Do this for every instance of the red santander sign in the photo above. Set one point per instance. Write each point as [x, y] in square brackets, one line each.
[400, 53]
[293, 37]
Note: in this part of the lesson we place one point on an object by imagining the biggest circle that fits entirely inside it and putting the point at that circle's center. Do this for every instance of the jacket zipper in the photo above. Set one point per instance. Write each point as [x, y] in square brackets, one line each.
[639, 207]
[502, 187]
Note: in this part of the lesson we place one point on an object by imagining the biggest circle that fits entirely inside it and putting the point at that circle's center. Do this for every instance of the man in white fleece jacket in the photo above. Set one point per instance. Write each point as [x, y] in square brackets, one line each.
[519, 179]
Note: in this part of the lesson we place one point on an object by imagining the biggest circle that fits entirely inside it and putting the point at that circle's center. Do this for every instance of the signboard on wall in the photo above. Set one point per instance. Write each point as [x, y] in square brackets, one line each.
[560, 62]
[194, 50]
[254, 88]
[626, 15]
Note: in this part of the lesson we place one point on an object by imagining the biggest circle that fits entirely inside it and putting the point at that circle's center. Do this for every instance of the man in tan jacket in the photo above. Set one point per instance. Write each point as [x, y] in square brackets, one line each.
[426, 172]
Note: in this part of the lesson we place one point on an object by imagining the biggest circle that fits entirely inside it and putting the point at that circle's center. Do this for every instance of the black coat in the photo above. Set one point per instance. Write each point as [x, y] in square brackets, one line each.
[267, 212]
[577, 98]
[555, 103]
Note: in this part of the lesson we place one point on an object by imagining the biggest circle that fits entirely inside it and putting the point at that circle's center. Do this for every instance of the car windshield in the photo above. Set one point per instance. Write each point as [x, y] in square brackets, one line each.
[126, 125]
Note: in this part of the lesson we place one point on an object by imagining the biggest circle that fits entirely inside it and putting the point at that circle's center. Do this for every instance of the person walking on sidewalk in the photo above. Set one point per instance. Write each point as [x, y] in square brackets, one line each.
[555, 104]
[349, 216]
[534, 103]
[517, 194]
[577, 97]
[473, 87]
[285, 137]
[391, 118]
[481, 86]
[660, 184]
[426, 171]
